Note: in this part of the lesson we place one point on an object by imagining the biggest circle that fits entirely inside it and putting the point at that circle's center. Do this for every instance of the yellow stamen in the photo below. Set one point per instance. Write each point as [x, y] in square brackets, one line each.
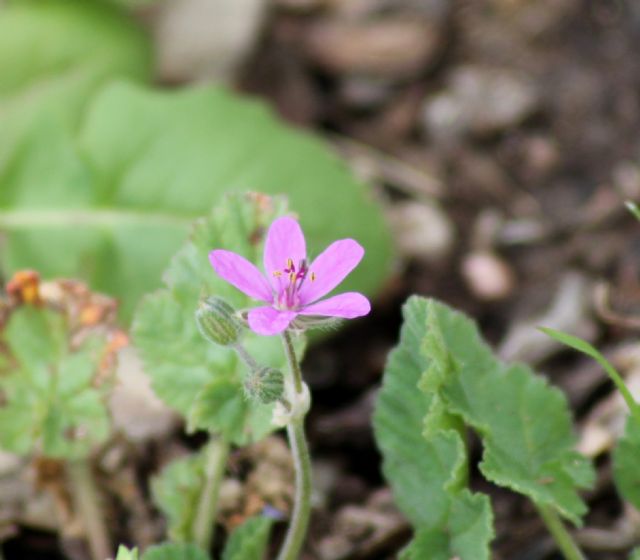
[277, 273]
[289, 263]
[313, 276]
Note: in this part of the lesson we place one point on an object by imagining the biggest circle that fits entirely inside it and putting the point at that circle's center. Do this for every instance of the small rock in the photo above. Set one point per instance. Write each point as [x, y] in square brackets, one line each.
[431, 9]
[488, 277]
[9, 463]
[393, 48]
[481, 101]
[204, 40]
[421, 230]
[569, 310]
[231, 496]
[134, 406]
[365, 93]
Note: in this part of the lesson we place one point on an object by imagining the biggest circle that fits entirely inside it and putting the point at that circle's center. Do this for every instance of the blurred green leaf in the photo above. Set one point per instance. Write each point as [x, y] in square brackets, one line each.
[126, 554]
[53, 56]
[249, 541]
[626, 463]
[200, 379]
[635, 555]
[171, 551]
[113, 206]
[465, 535]
[176, 491]
[50, 403]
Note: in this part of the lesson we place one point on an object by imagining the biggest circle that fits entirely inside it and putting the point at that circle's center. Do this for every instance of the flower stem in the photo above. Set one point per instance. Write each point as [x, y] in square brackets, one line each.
[559, 532]
[87, 508]
[294, 366]
[302, 463]
[204, 523]
[245, 356]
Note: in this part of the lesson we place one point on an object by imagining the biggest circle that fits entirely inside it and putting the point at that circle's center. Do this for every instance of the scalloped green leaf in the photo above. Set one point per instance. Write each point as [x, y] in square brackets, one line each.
[125, 554]
[201, 380]
[176, 491]
[50, 403]
[418, 469]
[173, 551]
[525, 424]
[465, 535]
[626, 463]
[55, 54]
[424, 457]
[220, 407]
[112, 204]
[249, 541]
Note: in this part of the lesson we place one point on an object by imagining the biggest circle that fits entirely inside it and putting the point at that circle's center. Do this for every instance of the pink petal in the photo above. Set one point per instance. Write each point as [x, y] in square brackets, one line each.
[239, 272]
[330, 268]
[285, 241]
[347, 305]
[268, 321]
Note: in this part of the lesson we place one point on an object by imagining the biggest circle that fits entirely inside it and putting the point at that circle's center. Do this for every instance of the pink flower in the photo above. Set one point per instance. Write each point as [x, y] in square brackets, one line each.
[292, 287]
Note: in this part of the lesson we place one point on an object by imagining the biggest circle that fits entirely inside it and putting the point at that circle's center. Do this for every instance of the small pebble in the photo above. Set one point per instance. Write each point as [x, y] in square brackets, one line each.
[488, 277]
[422, 231]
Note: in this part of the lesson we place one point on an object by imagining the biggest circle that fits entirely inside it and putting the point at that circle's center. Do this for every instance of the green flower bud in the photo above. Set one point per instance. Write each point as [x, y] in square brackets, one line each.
[265, 385]
[217, 321]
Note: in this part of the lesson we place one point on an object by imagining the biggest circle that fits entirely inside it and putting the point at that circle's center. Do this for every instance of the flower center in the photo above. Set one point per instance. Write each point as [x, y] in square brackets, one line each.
[292, 279]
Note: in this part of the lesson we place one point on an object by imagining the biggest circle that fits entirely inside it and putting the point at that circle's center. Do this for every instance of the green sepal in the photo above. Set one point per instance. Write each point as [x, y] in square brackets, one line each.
[217, 321]
[264, 385]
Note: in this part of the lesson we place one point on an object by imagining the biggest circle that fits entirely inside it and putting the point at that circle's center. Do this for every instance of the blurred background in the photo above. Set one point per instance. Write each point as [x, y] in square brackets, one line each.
[481, 150]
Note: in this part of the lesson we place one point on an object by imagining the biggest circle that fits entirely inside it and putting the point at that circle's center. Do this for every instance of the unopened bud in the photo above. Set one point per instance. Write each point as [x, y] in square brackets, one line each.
[265, 385]
[217, 321]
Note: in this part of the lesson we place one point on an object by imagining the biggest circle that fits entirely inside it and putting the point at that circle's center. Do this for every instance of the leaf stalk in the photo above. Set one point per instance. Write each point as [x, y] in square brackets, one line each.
[215, 463]
[87, 506]
[559, 532]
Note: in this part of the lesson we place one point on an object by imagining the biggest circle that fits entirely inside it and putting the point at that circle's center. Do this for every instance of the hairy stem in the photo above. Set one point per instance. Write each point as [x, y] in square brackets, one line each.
[204, 523]
[294, 366]
[245, 356]
[87, 507]
[559, 532]
[302, 463]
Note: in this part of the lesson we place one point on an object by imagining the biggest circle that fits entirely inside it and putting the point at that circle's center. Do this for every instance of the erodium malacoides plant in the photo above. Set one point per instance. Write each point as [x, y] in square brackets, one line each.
[291, 288]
